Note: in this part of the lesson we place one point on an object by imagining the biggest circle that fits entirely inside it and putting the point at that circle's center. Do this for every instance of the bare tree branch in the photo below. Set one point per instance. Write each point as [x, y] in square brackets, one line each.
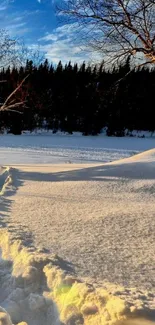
[6, 106]
[122, 27]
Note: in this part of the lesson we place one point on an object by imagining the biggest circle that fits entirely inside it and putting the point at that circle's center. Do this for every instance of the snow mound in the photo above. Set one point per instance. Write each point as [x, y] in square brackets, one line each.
[138, 167]
[146, 156]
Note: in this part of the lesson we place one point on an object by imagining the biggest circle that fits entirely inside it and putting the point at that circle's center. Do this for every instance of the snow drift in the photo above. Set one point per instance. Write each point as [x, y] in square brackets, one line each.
[37, 289]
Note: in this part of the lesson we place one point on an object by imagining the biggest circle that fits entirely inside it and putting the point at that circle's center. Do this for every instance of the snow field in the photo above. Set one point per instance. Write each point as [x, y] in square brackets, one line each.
[47, 149]
[37, 288]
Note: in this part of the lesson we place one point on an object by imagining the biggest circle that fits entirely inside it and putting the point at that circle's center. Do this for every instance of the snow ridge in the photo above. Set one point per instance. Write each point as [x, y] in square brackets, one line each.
[5, 180]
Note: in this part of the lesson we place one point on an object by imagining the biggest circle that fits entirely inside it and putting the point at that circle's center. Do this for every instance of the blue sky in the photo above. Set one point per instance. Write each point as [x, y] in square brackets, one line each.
[35, 22]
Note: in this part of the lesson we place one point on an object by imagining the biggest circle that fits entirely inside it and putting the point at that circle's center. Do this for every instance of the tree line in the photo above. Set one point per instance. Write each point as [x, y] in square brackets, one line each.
[83, 98]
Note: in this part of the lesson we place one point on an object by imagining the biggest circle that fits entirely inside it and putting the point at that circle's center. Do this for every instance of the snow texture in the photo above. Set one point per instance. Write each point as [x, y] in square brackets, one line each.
[47, 149]
[35, 289]
[40, 288]
[100, 220]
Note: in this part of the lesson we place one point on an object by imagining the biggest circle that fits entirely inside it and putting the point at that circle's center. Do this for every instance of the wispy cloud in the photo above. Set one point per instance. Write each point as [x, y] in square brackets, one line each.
[63, 44]
[3, 5]
[16, 23]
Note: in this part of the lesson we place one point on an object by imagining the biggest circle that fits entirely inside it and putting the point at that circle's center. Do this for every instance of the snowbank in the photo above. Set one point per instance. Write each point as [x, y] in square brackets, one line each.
[35, 290]
[103, 133]
[128, 133]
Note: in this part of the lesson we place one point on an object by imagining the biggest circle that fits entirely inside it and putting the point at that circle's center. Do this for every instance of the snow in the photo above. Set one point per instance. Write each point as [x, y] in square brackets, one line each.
[98, 209]
[37, 289]
[77, 240]
[134, 133]
[47, 149]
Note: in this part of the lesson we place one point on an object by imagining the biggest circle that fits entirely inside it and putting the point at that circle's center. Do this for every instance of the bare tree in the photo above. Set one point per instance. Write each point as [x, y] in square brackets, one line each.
[10, 56]
[8, 50]
[10, 104]
[24, 53]
[115, 28]
[14, 53]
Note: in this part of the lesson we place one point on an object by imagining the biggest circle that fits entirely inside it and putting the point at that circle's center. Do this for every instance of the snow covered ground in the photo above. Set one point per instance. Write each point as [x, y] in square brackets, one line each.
[77, 240]
[48, 149]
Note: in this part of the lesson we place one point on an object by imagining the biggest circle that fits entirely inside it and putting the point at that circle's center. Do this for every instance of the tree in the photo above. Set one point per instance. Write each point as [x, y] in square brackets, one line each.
[8, 54]
[10, 103]
[13, 54]
[115, 28]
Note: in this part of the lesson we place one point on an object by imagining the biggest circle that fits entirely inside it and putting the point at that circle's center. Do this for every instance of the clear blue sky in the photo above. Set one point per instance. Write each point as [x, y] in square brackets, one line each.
[35, 22]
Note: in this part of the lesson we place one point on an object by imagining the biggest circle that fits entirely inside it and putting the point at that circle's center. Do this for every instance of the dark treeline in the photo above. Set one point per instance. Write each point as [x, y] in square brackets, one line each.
[80, 98]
